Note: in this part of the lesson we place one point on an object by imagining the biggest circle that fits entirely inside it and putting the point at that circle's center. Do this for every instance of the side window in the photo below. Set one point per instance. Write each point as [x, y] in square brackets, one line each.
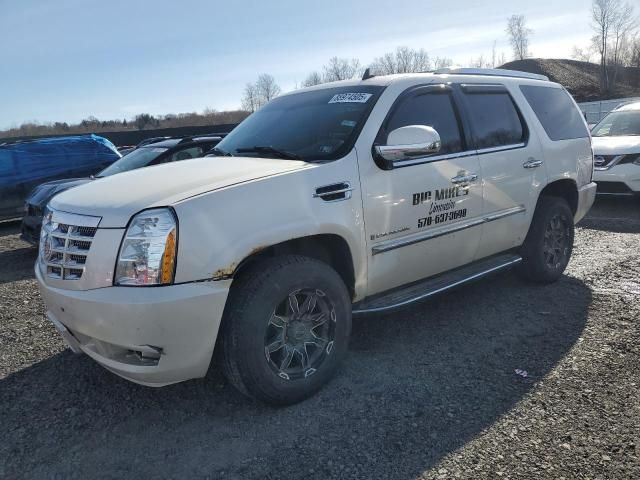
[185, 154]
[495, 122]
[431, 109]
[557, 113]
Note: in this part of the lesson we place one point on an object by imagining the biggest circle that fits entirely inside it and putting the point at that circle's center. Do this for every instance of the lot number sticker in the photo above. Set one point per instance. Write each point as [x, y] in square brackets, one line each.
[351, 98]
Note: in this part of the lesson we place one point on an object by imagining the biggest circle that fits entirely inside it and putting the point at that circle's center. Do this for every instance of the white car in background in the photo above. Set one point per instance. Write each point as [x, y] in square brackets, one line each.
[616, 148]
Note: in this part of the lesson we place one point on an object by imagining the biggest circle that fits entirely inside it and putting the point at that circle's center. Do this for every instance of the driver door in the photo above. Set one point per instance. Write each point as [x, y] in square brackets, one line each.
[423, 216]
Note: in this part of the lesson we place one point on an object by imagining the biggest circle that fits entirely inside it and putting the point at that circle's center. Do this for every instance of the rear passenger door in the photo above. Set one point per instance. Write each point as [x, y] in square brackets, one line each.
[511, 162]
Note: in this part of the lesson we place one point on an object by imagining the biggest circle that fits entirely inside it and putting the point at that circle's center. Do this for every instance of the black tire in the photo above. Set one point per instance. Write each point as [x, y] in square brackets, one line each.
[547, 248]
[253, 318]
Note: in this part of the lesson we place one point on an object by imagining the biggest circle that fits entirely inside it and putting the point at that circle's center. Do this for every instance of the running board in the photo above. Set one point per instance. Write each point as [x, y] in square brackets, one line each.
[422, 289]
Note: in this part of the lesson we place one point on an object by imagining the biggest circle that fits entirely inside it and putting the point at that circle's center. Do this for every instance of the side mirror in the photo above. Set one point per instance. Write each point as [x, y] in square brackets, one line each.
[406, 143]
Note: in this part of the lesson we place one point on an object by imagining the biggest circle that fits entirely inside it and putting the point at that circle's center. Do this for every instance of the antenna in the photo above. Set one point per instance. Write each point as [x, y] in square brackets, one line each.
[367, 74]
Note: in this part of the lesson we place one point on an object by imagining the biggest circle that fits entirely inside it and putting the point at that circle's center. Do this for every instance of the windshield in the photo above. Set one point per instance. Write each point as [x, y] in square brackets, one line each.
[315, 125]
[140, 157]
[618, 124]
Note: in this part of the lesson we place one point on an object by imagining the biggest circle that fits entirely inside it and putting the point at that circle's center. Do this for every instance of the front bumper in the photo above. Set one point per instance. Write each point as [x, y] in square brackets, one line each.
[627, 176]
[154, 336]
[586, 197]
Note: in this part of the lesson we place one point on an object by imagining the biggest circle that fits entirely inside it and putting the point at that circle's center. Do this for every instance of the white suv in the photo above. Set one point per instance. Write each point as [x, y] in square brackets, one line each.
[345, 198]
[616, 146]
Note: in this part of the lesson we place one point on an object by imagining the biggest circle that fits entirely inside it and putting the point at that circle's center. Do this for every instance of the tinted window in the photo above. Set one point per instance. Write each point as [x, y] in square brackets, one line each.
[185, 154]
[433, 110]
[558, 115]
[315, 125]
[494, 120]
[140, 157]
[618, 124]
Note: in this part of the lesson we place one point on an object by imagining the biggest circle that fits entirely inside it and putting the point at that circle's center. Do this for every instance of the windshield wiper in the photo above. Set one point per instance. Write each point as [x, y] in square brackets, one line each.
[270, 150]
[220, 153]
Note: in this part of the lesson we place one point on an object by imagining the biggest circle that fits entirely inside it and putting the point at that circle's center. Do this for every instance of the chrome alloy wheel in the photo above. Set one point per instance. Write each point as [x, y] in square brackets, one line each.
[300, 334]
[556, 241]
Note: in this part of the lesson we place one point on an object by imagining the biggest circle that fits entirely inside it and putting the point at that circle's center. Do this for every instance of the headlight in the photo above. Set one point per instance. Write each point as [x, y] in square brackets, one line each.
[44, 248]
[148, 252]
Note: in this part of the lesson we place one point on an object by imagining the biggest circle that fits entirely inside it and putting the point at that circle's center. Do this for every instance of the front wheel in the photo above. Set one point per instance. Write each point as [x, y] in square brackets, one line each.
[286, 328]
[547, 249]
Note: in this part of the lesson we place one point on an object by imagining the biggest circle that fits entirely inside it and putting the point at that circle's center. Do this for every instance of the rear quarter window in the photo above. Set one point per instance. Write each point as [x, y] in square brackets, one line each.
[556, 112]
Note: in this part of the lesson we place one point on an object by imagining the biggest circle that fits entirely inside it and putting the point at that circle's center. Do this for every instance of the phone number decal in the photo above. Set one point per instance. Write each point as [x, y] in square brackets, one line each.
[442, 218]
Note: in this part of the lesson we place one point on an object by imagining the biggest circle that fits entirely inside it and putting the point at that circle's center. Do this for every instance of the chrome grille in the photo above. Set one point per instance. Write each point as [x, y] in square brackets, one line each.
[64, 249]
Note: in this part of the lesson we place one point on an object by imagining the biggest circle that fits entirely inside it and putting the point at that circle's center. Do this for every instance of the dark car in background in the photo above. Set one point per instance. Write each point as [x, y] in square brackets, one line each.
[148, 153]
[25, 164]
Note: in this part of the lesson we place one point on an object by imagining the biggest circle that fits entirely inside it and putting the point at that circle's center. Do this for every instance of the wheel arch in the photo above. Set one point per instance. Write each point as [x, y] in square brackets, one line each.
[566, 189]
[329, 248]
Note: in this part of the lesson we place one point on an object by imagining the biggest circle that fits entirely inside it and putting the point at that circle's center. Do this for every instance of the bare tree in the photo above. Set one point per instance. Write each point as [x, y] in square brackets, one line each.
[582, 54]
[250, 100]
[341, 69]
[623, 27]
[497, 59]
[266, 88]
[480, 62]
[494, 55]
[442, 62]
[519, 36]
[634, 60]
[403, 60]
[314, 78]
[612, 22]
[259, 93]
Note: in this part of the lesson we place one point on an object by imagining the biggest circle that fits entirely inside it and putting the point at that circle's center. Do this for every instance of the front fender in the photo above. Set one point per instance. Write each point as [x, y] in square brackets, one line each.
[218, 230]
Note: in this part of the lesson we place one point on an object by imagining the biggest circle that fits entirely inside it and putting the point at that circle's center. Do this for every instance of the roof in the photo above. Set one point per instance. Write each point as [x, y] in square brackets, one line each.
[386, 80]
[172, 142]
[490, 72]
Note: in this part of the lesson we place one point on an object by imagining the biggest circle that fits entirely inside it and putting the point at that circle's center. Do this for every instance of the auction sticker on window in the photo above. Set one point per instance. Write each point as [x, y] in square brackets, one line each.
[351, 98]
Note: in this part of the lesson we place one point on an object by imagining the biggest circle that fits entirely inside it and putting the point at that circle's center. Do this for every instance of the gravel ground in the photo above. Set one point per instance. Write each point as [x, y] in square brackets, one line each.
[428, 392]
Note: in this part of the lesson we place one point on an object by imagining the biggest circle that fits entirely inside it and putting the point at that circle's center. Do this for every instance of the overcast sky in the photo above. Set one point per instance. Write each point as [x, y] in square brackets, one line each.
[69, 59]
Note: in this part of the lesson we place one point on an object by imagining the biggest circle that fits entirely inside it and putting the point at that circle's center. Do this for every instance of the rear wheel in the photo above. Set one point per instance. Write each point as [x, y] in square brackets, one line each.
[286, 328]
[547, 249]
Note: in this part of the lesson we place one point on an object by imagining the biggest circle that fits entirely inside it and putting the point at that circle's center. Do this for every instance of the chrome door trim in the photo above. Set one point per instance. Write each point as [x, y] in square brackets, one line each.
[439, 290]
[434, 158]
[501, 148]
[449, 156]
[505, 213]
[389, 245]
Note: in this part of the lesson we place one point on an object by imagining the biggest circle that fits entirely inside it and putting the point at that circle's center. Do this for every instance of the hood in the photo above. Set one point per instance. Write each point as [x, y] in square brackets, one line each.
[116, 198]
[41, 195]
[616, 145]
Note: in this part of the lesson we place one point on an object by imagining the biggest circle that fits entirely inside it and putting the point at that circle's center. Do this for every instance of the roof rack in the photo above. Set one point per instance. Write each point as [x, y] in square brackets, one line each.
[189, 138]
[493, 72]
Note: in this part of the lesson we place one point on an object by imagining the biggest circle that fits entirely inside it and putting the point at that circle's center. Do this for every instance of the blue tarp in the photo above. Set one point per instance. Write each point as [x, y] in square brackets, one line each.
[50, 158]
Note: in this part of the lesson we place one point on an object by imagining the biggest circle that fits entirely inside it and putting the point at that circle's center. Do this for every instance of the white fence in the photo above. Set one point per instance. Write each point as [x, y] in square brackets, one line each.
[595, 111]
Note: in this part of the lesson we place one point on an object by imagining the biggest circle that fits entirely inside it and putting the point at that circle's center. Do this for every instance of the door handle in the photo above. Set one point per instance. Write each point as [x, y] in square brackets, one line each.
[532, 163]
[464, 178]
